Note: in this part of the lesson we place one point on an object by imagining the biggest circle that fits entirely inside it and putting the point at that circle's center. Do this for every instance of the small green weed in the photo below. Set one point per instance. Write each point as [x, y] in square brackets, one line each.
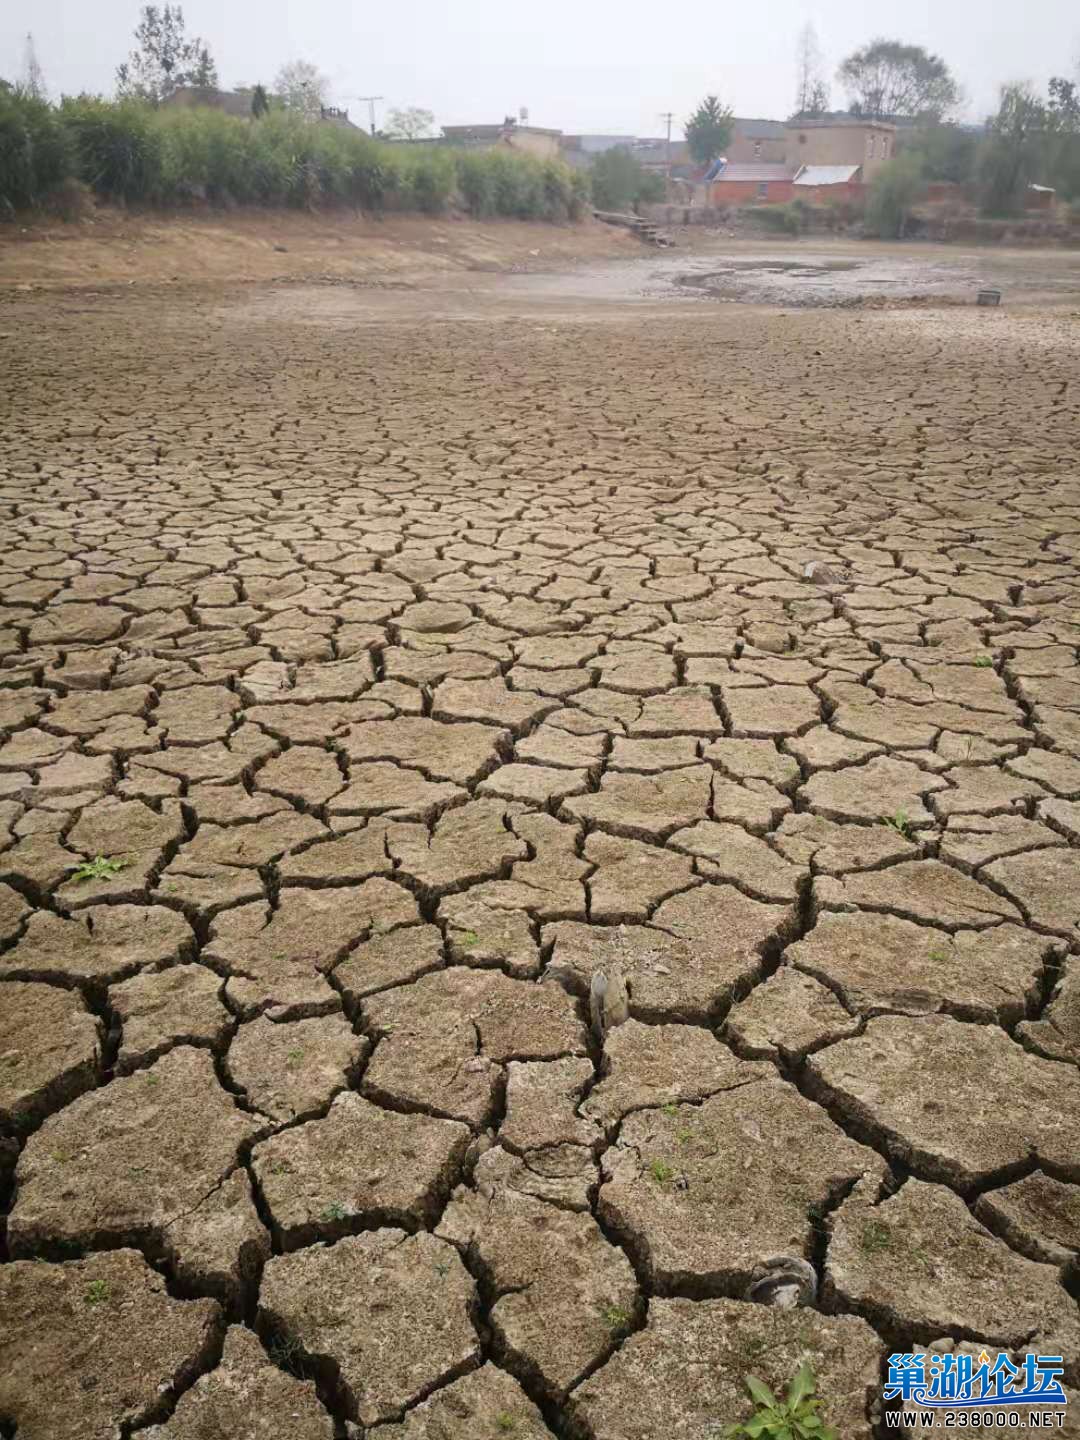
[876, 1236]
[293, 1057]
[939, 955]
[793, 1418]
[505, 1422]
[898, 822]
[984, 662]
[670, 1109]
[467, 939]
[101, 867]
[97, 1292]
[615, 1317]
[336, 1211]
[661, 1172]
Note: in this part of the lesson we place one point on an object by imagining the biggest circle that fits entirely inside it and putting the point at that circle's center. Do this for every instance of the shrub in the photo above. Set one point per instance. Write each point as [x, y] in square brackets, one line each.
[34, 150]
[796, 216]
[206, 155]
[894, 190]
[619, 180]
[768, 217]
[116, 146]
[131, 153]
[580, 194]
[555, 179]
[518, 184]
[430, 179]
[476, 182]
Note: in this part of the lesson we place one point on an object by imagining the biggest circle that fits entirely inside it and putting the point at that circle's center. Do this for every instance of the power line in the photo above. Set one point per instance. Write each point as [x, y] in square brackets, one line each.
[369, 101]
[668, 116]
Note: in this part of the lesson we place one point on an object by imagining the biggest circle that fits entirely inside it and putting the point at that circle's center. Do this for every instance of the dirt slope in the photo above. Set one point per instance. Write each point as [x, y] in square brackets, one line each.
[110, 248]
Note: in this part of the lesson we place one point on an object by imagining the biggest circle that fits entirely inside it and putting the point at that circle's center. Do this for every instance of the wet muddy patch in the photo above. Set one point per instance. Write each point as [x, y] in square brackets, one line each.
[820, 281]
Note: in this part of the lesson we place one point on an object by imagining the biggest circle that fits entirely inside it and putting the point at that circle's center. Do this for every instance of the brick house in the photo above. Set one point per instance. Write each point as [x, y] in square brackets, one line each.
[824, 184]
[757, 142]
[819, 161]
[733, 184]
[841, 140]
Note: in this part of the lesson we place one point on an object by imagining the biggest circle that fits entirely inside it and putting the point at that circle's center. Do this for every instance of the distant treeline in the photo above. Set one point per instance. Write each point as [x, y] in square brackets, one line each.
[129, 152]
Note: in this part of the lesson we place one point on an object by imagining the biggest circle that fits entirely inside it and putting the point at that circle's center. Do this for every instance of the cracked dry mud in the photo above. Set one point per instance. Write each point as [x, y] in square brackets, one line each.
[366, 689]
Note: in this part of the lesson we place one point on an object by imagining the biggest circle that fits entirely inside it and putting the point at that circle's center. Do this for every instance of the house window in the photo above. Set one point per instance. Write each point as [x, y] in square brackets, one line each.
[757, 149]
[870, 146]
[763, 190]
[884, 147]
[802, 139]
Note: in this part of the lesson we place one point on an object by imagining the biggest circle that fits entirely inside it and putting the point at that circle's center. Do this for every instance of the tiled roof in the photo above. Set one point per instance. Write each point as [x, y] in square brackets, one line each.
[756, 173]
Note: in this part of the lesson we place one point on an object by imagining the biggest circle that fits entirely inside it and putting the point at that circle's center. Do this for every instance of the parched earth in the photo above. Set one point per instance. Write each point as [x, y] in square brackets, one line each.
[371, 680]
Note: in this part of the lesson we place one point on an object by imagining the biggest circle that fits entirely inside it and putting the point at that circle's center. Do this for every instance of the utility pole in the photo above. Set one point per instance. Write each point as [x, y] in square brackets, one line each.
[369, 100]
[668, 116]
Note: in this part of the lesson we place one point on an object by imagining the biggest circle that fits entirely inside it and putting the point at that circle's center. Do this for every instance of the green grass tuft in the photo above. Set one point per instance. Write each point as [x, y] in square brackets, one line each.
[101, 867]
[876, 1237]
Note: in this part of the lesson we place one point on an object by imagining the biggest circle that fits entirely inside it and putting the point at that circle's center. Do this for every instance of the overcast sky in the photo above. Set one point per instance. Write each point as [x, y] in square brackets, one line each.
[595, 65]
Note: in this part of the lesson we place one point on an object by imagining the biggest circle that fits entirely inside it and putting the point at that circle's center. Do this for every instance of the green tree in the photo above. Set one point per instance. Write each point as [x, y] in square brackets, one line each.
[894, 191]
[945, 151]
[1063, 105]
[164, 59]
[412, 123]
[708, 130]
[1062, 159]
[35, 151]
[619, 181]
[887, 78]
[1012, 154]
[260, 102]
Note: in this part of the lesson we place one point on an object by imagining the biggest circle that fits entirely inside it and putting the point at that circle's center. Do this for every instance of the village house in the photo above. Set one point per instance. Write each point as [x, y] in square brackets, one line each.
[755, 142]
[511, 135]
[819, 160]
[208, 97]
[841, 140]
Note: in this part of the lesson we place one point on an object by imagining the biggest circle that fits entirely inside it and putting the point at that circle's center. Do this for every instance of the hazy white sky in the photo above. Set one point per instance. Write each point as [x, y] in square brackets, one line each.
[594, 65]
